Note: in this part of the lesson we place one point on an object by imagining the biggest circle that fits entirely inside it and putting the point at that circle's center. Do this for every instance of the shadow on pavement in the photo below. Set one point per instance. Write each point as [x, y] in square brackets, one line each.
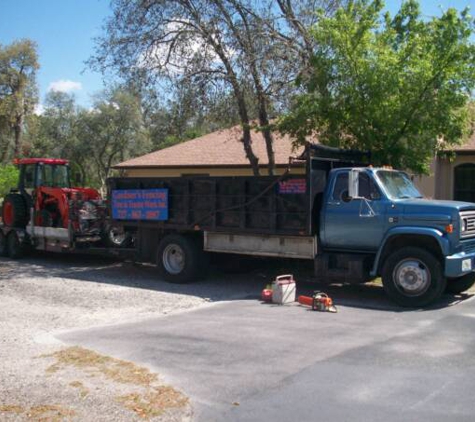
[243, 280]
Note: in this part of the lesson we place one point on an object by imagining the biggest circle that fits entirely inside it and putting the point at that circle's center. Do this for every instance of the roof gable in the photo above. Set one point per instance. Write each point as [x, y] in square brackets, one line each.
[221, 148]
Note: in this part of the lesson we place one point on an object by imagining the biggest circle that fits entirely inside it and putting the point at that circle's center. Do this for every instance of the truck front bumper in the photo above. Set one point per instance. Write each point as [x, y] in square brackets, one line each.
[459, 264]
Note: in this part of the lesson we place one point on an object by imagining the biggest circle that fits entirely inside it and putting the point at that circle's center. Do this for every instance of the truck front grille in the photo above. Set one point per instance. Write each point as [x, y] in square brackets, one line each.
[468, 221]
[468, 246]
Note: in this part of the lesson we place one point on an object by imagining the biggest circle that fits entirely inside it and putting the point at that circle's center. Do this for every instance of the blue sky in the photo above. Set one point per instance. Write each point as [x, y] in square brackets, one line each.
[64, 31]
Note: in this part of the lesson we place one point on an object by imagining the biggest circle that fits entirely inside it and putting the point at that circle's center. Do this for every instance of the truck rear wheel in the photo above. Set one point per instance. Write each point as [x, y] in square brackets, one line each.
[14, 246]
[413, 277]
[180, 259]
[460, 284]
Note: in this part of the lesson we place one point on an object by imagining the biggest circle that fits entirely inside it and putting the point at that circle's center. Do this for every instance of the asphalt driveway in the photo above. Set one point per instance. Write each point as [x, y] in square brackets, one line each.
[247, 361]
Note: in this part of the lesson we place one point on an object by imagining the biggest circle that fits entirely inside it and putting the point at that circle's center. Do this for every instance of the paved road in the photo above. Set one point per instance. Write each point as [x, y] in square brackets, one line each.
[246, 361]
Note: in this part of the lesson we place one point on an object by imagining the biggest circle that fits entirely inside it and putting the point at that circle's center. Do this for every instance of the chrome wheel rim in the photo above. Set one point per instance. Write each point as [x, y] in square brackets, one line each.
[173, 259]
[411, 277]
[116, 236]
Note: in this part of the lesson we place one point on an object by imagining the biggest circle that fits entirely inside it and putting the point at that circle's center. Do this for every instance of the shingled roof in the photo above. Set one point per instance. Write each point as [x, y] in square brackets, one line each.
[467, 146]
[223, 148]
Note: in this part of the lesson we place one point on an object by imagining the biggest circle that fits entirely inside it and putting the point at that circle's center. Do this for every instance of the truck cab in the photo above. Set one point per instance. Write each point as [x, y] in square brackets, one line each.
[378, 219]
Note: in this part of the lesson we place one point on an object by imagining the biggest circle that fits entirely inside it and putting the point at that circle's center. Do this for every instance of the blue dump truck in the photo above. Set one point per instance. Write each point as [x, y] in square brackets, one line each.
[355, 222]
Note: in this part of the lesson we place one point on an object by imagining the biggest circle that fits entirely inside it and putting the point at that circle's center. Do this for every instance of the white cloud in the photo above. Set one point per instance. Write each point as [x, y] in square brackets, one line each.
[39, 109]
[64, 85]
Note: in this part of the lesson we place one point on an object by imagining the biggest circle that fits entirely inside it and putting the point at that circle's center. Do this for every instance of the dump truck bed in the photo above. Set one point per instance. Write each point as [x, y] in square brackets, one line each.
[253, 204]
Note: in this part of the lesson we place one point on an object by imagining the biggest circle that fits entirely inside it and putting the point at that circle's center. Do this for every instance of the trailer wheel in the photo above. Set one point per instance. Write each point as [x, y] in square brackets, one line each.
[460, 284]
[14, 246]
[3, 244]
[179, 259]
[413, 277]
[116, 237]
[14, 211]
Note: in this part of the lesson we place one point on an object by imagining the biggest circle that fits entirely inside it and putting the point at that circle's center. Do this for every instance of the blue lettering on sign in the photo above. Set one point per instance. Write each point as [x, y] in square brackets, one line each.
[140, 204]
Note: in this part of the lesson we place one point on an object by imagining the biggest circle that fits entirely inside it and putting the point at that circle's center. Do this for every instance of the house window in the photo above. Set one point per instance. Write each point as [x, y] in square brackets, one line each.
[464, 182]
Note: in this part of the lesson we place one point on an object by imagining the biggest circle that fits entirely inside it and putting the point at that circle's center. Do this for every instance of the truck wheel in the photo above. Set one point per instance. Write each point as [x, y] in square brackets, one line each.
[413, 277]
[14, 211]
[14, 246]
[460, 284]
[179, 259]
[3, 245]
[116, 237]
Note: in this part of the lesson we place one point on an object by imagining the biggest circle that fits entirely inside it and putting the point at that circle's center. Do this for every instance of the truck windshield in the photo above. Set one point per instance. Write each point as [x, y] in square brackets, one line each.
[398, 185]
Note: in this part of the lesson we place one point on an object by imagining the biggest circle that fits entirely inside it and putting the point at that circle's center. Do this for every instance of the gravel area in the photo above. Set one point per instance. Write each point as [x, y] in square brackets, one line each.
[47, 293]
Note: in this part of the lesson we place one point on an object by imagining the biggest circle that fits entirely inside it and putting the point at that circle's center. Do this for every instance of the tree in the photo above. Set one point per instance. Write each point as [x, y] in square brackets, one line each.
[18, 91]
[398, 86]
[112, 131]
[55, 133]
[8, 178]
[236, 47]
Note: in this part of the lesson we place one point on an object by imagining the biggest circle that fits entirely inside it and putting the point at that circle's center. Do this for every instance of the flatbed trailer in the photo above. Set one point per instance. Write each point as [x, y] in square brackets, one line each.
[16, 242]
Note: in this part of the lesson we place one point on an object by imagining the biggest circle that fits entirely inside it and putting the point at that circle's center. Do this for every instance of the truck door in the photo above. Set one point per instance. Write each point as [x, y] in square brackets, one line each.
[353, 224]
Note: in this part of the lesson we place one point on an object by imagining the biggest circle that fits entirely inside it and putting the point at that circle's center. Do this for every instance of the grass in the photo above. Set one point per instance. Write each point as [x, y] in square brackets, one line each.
[114, 369]
[153, 402]
[83, 391]
[150, 400]
[41, 413]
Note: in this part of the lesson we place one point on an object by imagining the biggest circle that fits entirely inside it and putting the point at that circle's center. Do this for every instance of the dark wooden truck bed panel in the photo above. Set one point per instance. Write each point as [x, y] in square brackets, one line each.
[230, 204]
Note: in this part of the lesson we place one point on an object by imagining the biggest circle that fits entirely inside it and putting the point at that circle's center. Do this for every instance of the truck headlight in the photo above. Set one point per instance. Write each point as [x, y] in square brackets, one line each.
[463, 225]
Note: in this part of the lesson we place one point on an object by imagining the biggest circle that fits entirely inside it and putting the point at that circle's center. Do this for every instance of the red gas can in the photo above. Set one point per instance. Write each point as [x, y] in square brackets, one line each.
[266, 295]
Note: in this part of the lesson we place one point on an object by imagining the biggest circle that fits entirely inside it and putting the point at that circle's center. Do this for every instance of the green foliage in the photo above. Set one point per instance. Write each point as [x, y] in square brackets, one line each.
[397, 86]
[18, 93]
[8, 178]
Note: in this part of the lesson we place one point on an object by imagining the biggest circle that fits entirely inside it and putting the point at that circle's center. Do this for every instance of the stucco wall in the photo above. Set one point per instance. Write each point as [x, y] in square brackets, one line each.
[440, 183]
[426, 184]
[445, 179]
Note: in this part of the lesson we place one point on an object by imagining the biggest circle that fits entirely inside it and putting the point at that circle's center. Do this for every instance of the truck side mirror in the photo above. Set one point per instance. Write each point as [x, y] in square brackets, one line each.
[353, 183]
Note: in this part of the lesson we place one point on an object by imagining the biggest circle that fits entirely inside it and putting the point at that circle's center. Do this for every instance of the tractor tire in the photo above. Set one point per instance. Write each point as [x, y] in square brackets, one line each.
[180, 259]
[15, 248]
[3, 244]
[14, 212]
[413, 277]
[460, 284]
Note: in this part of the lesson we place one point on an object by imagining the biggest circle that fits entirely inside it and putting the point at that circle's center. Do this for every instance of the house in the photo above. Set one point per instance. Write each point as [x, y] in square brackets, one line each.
[452, 174]
[221, 153]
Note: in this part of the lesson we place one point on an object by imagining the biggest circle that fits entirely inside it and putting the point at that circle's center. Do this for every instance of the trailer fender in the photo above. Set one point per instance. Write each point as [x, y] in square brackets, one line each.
[410, 232]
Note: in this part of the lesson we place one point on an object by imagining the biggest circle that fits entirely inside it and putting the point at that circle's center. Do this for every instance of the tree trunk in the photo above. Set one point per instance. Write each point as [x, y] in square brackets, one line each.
[246, 133]
[17, 130]
[234, 81]
[264, 123]
[244, 37]
[4, 147]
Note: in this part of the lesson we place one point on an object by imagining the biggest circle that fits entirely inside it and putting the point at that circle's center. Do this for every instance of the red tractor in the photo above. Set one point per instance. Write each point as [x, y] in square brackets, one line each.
[46, 213]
